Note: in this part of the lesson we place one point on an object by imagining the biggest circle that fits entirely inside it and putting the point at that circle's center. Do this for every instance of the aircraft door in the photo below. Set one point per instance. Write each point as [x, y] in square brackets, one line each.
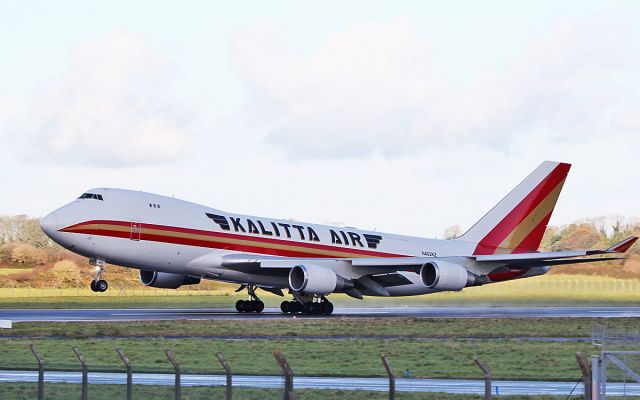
[136, 231]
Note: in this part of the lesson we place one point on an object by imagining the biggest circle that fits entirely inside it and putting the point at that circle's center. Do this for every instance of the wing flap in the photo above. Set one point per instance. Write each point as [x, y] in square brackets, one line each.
[550, 263]
[525, 257]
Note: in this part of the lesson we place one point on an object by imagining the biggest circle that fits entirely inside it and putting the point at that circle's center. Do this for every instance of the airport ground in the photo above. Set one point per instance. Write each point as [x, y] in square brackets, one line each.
[523, 349]
[528, 349]
[575, 290]
[514, 348]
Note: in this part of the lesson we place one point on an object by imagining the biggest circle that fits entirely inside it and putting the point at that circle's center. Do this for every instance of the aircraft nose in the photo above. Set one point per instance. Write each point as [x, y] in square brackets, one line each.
[49, 224]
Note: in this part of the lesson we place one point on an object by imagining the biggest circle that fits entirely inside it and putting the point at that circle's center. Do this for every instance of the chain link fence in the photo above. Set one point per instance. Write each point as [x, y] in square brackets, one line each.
[392, 384]
[616, 370]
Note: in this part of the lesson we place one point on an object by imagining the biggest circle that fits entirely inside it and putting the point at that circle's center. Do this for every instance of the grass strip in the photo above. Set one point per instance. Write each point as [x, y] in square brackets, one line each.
[64, 391]
[329, 327]
[508, 359]
[543, 290]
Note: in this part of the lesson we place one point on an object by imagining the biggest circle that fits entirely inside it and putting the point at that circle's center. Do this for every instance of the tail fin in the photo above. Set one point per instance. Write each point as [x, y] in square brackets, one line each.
[517, 223]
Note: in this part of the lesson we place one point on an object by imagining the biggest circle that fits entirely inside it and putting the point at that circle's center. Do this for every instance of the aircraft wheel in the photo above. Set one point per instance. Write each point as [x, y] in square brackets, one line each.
[295, 307]
[258, 306]
[284, 307]
[102, 286]
[307, 308]
[240, 305]
[93, 286]
[316, 308]
[327, 308]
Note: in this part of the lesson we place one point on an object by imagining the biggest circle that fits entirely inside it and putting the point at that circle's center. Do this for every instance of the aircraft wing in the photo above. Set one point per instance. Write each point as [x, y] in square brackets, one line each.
[520, 260]
[373, 275]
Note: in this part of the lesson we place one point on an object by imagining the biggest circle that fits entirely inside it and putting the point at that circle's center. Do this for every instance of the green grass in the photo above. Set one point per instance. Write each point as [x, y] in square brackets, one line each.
[328, 327]
[64, 391]
[508, 359]
[317, 351]
[544, 290]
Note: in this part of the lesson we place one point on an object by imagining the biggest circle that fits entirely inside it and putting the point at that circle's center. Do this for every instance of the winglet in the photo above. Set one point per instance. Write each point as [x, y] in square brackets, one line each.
[623, 246]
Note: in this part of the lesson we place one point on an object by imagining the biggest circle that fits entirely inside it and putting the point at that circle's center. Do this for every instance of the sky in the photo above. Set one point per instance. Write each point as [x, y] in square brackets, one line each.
[404, 116]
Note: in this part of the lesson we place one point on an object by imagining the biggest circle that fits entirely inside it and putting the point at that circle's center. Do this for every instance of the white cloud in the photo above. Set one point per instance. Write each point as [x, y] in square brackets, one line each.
[366, 90]
[376, 88]
[112, 107]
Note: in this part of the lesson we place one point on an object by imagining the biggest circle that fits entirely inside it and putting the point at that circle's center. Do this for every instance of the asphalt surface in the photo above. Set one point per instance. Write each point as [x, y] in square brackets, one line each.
[159, 314]
[339, 383]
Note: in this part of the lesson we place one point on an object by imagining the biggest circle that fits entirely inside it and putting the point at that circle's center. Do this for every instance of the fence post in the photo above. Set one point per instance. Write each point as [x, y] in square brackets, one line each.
[586, 374]
[596, 388]
[227, 370]
[126, 362]
[38, 357]
[176, 367]
[487, 377]
[85, 372]
[392, 378]
[288, 374]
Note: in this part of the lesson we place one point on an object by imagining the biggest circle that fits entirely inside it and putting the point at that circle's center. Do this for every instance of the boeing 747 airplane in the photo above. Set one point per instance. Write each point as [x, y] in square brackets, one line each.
[174, 242]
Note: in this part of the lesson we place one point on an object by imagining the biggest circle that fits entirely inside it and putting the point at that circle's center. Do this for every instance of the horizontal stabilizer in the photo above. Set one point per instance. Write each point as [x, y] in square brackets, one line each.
[622, 246]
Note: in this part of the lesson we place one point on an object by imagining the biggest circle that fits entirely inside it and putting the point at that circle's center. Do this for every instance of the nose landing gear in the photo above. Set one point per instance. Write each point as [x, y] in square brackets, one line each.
[98, 284]
[253, 305]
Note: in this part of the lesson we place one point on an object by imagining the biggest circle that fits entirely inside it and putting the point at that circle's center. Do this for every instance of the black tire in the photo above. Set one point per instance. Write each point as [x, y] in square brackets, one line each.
[295, 307]
[307, 308]
[316, 308]
[327, 308]
[240, 305]
[258, 306]
[93, 286]
[284, 307]
[102, 285]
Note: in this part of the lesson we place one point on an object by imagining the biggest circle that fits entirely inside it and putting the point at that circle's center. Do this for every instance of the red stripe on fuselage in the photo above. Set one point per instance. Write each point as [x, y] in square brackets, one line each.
[218, 245]
[506, 275]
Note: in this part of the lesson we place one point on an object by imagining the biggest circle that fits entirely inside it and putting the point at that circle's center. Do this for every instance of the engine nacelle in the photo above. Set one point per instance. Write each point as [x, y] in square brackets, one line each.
[442, 275]
[166, 280]
[313, 279]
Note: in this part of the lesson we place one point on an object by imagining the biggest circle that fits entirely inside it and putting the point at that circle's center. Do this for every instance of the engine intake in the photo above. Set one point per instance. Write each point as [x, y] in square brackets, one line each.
[313, 279]
[166, 280]
[442, 275]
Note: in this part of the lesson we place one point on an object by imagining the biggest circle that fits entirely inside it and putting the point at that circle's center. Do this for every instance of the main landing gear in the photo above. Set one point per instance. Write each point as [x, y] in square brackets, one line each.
[98, 284]
[307, 305]
[253, 305]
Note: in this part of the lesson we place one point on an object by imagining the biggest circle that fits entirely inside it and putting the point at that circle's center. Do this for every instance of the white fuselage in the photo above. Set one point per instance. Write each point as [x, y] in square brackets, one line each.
[152, 232]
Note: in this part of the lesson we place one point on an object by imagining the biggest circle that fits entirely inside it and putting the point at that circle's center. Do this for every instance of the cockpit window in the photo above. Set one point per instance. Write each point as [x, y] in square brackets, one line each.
[91, 196]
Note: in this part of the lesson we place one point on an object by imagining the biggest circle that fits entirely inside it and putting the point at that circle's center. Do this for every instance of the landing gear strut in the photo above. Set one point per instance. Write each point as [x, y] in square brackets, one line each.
[253, 305]
[98, 284]
[307, 305]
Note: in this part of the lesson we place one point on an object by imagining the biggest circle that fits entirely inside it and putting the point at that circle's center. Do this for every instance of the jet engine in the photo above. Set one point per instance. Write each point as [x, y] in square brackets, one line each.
[442, 275]
[166, 280]
[313, 279]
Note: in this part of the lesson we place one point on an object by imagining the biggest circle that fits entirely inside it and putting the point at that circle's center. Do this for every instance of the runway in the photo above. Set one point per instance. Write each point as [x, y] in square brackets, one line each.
[162, 314]
[342, 383]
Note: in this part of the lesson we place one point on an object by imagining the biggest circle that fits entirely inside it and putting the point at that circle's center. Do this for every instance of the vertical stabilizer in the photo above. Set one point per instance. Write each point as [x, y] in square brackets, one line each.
[517, 223]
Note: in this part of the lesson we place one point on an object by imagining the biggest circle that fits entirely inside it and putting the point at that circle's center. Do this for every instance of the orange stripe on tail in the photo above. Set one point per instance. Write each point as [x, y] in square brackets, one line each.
[518, 222]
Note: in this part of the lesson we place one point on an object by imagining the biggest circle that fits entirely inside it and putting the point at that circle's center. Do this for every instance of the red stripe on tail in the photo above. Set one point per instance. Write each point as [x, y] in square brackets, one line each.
[492, 240]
